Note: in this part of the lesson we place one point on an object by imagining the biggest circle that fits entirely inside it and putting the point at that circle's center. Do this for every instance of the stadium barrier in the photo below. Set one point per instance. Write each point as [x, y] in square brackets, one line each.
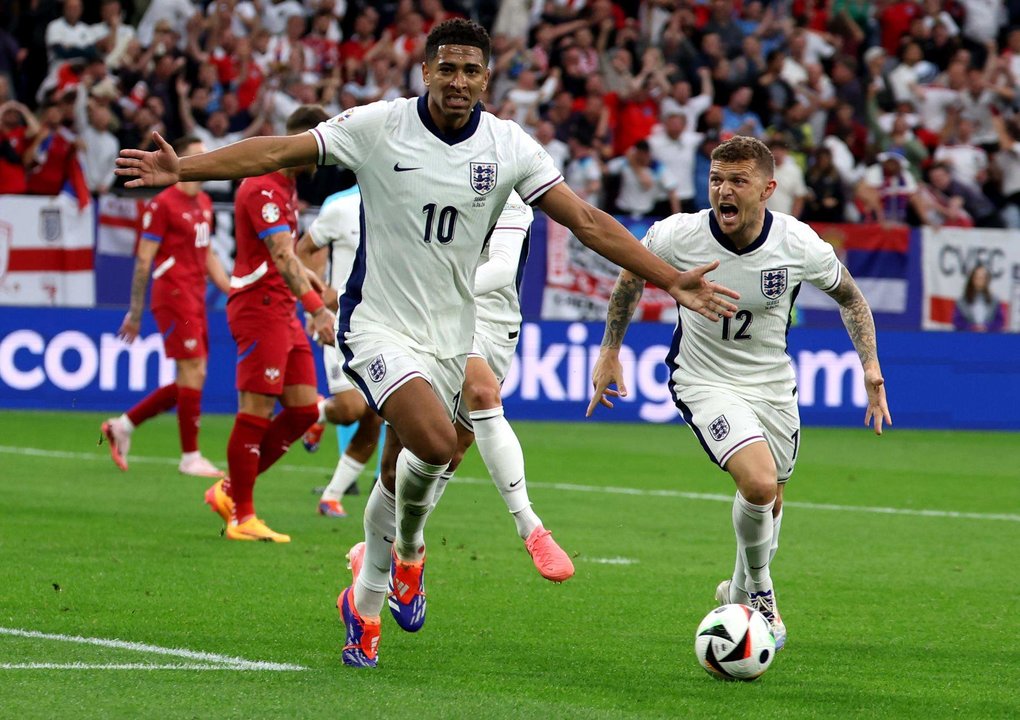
[71, 359]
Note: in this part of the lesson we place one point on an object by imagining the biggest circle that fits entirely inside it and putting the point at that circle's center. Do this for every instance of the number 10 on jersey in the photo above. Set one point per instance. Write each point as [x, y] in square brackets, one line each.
[445, 228]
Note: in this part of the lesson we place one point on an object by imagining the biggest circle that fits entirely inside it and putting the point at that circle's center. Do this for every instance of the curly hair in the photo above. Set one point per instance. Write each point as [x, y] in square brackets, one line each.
[741, 148]
[457, 32]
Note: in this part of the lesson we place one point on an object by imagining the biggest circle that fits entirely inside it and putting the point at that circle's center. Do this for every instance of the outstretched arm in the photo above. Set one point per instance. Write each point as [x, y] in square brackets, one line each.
[247, 158]
[860, 324]
[611, 240]
[608, 371]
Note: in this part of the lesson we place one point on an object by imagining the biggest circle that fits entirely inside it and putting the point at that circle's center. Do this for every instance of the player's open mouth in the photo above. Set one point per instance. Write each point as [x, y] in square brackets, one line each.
[457, 101]
[728, 211]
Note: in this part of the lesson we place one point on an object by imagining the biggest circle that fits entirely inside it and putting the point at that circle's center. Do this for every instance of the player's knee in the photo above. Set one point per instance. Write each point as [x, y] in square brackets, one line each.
[344, 410]
[482, 395]
[438, 446]
[759, 488]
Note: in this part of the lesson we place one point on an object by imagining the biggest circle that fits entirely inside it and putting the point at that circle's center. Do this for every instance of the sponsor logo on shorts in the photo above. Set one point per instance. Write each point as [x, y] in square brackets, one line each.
[719, 428]
[272, 374]
[773, 283]
[377, 368]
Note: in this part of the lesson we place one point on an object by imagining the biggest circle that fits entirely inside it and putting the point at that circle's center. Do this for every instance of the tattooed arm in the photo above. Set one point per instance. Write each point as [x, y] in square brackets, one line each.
[608, 371]
[132, 323]
[860, 324]
[281, 249]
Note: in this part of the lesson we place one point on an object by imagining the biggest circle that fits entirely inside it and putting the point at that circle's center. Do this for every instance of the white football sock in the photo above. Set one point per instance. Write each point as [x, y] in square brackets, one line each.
[440, 488]
[777, 524]
[753, 526]
[416, 482]
[346, 474]
[501, 452]
[322, 410]
[185, 457]
[126, 422]
[738, 593]
[380, 528]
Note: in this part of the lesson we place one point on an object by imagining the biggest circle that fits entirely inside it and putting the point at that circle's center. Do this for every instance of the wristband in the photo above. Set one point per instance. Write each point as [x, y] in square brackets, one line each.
[311, 302]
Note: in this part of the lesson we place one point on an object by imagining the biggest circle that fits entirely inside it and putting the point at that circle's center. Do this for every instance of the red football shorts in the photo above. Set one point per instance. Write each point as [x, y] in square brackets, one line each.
[185, 332]
[272, 351]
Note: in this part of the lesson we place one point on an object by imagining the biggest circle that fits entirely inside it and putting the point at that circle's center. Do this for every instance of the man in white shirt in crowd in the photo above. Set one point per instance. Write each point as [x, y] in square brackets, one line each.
[675, 146]
[791, 190]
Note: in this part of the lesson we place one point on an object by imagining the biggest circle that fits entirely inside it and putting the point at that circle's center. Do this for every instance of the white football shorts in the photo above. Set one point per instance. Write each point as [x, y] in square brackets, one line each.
[724, 422]
[378, 363]
[498, 356]
[335, 378]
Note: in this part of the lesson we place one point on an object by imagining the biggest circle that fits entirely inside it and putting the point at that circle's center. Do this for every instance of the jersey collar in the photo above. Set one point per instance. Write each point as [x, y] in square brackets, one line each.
[724, 240]
[452, 138]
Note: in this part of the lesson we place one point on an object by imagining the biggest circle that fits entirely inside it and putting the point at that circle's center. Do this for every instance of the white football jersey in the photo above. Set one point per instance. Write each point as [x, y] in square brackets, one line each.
[429, 200]
[498, 312]
[748, 351]
[339, 227]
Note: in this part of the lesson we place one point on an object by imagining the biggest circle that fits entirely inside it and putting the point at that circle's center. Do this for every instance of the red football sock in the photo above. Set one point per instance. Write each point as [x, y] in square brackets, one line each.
[243, 462]
[189, 410]
[156, 402]
[286, 427]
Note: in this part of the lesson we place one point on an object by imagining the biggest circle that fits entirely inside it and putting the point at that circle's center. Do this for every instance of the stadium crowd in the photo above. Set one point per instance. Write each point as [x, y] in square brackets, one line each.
[892, 111]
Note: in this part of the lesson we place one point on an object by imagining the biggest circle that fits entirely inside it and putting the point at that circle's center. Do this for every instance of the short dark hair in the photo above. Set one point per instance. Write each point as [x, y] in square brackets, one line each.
[457, 32]
[740, 148]
[305, 118]
[182, 143]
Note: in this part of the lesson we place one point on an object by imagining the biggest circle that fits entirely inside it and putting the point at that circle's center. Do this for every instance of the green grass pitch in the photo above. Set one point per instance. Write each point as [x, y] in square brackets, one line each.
[906, 614]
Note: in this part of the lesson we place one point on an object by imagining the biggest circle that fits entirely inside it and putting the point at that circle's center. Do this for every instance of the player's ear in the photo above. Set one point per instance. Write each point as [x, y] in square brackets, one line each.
[425, 73]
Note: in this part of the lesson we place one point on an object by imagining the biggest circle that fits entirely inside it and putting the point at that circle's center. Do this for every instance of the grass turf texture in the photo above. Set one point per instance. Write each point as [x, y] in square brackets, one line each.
[889, 615]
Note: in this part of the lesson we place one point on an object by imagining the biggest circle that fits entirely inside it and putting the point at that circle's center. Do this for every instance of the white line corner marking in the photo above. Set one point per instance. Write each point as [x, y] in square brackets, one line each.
[199, 660]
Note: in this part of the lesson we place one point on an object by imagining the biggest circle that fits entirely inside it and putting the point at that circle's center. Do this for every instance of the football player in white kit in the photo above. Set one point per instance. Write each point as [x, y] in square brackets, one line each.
[732, 381]
[338, 227]
[480, 413]
[435, 173]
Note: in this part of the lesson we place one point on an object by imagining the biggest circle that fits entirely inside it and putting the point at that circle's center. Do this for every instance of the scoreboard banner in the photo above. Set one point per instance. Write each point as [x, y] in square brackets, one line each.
[69, 359]
[951, 254]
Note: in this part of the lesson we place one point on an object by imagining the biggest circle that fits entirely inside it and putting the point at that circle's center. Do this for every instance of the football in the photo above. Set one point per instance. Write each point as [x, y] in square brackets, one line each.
[734, 642]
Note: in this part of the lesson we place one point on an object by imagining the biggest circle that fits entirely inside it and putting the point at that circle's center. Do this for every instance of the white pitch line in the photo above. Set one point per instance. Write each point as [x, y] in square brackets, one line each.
[569, 487]
[226, 661]
[114, 666]
[612, 561]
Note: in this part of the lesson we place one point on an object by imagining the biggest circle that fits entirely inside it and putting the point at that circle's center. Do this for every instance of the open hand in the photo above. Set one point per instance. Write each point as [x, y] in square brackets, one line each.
[157, 168]
[696, 292]
[877, 407]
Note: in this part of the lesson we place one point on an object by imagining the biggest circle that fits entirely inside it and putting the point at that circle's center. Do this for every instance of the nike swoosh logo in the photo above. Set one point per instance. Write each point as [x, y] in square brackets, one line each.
[397, 168]
[388, 539]
[757, 568]
[515, 484]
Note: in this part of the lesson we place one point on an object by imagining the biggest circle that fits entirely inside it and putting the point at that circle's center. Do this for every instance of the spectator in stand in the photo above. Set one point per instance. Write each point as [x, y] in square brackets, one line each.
[18, 128]
[941, 44]
[92, 120]
[527, 95]
[772, 93]
[847, 85]
[560, 113]
[53, 155]
[67, 36]
[675, 147]
[791, 191]
[276, 13]
[888, 192]
[584, 172]
[818, 95]
[176, 12]
[680, 100]
[282, 47]
[646, 187]
[893, 132]
[113, 37]
[854, 134]
[969, 163]
[354, 50]
[951, 202]
[738, 119]
[722, 23]
[978, 310]
[559, 151]
[1007, 165]
[912, 70]
[826, 199]
[981, 94]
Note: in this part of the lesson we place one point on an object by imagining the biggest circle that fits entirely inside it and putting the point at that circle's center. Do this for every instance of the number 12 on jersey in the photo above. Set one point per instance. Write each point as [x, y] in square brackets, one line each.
[446, 227]
[745, 317]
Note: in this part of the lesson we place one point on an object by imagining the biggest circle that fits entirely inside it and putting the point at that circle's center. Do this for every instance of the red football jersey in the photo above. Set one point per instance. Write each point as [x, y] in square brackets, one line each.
[263, 206]
[181, 224]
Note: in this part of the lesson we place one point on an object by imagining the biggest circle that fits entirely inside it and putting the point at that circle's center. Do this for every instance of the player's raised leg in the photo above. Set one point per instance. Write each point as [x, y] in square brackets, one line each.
[117, 431]
[504, 459]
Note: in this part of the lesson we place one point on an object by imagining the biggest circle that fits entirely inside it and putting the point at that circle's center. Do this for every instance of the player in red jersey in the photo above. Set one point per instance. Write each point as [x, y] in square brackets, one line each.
[274, 358]
[175, 238]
